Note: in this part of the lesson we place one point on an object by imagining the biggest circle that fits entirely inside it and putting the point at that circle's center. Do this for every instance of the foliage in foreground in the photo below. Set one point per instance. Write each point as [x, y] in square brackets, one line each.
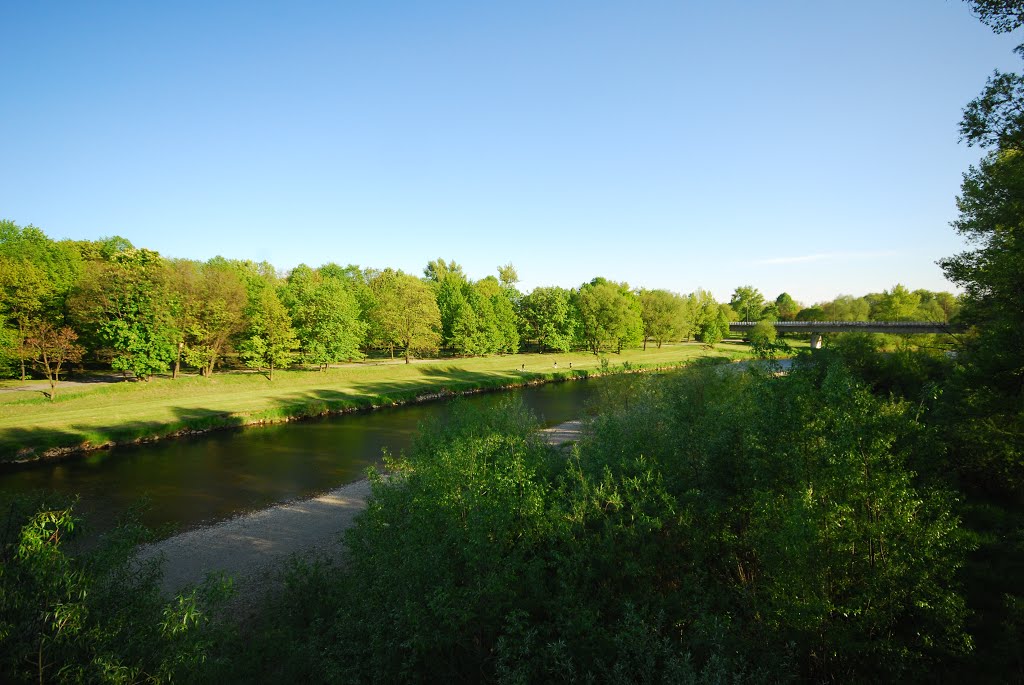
[94, 616]
[718, 525]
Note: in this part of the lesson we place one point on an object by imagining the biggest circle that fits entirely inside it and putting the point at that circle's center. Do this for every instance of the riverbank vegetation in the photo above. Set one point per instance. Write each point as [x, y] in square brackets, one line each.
[716, 523]
[95, 414]
[108, 305]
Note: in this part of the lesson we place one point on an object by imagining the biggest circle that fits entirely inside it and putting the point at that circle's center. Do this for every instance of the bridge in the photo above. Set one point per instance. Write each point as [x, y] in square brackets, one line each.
[816, 328]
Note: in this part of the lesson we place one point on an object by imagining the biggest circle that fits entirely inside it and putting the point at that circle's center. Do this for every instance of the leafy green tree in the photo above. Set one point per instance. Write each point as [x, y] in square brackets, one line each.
[270, 340]
[59, 263]
[404, 314]
[786, 307]
[988, 393]
[326, 317]
[473, 326]
[763, 334]
[381, 311]
[549, 318]
[711, 321]
[896, 304]
[508, 276]
[848, 308]
[493, 325]
[609, 315]
[663, 315]
[208, 302]
[10, 350]
[357, 282]
[123, 303]
[714, 325]
[815, 313]
[437, 270]
[24, 291]
[506, 320]
[748, 302]
[36, 277]
[949, 304]
[458, 316]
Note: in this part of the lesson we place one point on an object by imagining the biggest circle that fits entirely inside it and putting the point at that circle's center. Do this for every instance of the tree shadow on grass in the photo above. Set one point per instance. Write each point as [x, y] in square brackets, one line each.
[26, 446]
[430, 382]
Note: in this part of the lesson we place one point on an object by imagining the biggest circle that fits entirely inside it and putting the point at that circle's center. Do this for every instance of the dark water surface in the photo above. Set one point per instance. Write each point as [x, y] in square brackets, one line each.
[205, 478]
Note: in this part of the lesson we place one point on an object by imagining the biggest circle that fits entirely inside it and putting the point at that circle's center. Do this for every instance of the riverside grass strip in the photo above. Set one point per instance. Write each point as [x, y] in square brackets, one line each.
[90, 416]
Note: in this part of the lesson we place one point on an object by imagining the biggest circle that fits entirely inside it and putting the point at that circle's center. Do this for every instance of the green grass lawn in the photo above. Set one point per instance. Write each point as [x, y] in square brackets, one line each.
[97, 414]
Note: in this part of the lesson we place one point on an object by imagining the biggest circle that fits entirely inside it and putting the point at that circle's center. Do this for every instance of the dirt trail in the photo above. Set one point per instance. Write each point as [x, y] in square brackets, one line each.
[250, 548]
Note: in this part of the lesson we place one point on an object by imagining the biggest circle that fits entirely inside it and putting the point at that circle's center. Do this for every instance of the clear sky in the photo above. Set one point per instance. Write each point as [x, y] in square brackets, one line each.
[801, 146]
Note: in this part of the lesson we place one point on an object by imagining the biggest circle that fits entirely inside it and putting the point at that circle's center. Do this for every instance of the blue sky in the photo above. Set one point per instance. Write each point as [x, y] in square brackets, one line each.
[798, 146]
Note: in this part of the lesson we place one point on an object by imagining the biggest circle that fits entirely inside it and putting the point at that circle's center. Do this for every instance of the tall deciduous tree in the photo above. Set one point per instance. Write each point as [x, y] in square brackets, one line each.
[124, 303]
[748, 302]
[986, 399]
[209, 301]
[786, 307]
[662, 313]
[36, 277]
[502, 297]
[416, 318]
[896, 304]
[609, 315]
[270, 341]
[404, 314]
[326, 316]
[508, 276]
[549, 318]
[23, 293]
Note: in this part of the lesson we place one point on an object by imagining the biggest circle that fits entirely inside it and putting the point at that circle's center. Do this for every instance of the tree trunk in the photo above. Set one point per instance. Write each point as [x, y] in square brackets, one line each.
[645, 343]
[271, 370]
[406, 353]
[21, 347]
[49, 375]
[177, 365]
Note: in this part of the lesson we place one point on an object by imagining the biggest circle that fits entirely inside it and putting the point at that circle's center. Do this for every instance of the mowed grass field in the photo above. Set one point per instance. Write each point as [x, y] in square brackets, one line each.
[96, 414]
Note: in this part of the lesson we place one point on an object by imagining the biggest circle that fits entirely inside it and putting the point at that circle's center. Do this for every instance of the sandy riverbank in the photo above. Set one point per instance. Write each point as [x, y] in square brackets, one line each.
[251, 548]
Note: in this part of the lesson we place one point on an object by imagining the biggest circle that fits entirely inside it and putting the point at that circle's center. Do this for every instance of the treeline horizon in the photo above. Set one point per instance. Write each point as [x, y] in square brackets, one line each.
[108, 303]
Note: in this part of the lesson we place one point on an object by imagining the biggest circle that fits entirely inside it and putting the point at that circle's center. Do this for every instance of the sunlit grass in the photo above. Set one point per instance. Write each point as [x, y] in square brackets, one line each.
[95, 414]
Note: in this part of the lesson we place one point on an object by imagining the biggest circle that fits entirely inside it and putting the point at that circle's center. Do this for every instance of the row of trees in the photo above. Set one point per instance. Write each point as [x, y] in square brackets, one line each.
[895, 304]
[110, 303]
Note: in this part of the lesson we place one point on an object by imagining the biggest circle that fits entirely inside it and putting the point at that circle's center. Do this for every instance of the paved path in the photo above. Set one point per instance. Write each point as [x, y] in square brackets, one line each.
[250, 548]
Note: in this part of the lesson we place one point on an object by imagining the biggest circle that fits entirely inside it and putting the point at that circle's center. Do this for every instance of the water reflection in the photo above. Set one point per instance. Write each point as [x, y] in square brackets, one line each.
[206, 478]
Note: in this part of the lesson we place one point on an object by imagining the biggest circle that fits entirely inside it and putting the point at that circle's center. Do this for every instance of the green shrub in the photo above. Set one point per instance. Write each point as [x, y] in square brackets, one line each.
[93, 616]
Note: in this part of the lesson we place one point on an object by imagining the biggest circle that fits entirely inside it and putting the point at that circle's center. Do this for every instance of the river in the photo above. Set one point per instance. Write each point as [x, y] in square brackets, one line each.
[210, 477]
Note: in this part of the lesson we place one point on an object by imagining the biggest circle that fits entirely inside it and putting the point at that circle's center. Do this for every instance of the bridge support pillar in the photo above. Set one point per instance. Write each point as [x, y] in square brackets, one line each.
[815, 341]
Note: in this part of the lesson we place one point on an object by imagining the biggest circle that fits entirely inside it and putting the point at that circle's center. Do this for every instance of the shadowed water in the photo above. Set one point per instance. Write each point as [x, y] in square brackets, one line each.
[210, 477]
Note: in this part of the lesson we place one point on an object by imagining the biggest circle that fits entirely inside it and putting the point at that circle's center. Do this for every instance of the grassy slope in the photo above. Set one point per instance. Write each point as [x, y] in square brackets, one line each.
[120, 412]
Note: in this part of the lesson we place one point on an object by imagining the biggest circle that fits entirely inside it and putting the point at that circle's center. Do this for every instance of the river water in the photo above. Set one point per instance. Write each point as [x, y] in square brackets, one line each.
[206, 478]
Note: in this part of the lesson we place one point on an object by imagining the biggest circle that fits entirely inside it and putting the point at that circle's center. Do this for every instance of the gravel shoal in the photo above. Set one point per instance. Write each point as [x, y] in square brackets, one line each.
[250, 548]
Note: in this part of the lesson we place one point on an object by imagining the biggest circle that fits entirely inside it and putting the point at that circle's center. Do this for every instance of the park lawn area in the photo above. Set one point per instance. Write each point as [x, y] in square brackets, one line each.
[90, 415]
